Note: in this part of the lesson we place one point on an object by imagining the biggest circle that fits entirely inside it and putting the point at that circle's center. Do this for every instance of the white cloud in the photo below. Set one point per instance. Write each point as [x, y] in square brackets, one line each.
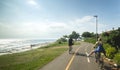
[87, 23]
[35, 30]
[33, 3]
[83, 24]
[51, 29]
[84, 19]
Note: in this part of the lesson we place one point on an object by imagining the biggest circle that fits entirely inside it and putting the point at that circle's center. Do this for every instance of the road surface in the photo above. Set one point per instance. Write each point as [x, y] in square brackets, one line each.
[75, 61]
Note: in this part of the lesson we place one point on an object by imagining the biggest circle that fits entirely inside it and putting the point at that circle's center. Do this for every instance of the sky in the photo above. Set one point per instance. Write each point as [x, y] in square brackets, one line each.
[55, 18]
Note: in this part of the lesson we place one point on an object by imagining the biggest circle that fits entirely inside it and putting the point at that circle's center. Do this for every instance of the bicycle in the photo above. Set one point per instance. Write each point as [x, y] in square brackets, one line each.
[70, 49]
[99, 60]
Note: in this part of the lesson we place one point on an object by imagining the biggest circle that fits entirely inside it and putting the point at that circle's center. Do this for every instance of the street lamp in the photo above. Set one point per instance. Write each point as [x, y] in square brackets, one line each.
[96, 25]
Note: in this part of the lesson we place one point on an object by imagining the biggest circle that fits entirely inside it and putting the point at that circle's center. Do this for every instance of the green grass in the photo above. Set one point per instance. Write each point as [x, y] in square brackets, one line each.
[90, 40]
[32, 60]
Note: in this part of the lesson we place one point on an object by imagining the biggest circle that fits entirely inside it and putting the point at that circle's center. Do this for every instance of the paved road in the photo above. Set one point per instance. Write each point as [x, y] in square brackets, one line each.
[76, 61]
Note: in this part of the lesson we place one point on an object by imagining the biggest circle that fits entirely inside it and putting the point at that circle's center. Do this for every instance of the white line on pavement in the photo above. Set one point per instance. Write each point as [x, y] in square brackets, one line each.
[88, 58]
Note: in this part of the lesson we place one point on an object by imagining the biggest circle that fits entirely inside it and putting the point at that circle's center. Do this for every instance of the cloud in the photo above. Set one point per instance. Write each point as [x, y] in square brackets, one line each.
[84, 19]
[87, 23]
[49, 29]
[83, 24]
[33, 3]
[33, 29]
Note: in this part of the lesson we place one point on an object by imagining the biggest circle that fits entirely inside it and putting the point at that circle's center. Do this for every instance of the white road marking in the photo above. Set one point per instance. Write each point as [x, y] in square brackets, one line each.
[88, 58]
[87, 54]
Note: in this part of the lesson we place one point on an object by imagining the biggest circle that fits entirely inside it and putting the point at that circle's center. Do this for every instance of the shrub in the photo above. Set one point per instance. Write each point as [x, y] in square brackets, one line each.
[114, 38]
[106, 46]
[61, 40]
[117, 58]
[90, 40]
[110, 52]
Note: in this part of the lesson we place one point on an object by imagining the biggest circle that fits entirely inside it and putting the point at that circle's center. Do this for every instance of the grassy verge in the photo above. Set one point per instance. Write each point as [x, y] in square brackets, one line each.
[32, 60]
[90, 40]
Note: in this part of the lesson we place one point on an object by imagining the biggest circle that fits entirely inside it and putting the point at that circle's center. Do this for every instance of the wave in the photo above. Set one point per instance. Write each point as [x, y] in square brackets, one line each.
[8, 46]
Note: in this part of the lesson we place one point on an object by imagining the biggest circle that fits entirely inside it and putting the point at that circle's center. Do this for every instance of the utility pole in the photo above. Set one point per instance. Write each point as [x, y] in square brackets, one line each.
[96, 26]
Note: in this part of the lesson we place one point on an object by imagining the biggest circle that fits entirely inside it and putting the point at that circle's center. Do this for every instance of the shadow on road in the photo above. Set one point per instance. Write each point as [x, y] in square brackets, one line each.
[106, 66]
[83, 54]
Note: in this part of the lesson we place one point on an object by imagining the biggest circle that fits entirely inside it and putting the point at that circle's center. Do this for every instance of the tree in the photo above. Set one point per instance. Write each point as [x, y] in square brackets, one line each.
[74, 35]
[65, 36]
[92, 34]
[87, 34]
[119, 29]
[61, 40]
[114, 38]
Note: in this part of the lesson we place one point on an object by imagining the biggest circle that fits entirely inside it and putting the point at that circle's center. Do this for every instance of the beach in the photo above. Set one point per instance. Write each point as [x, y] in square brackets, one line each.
[10, 46]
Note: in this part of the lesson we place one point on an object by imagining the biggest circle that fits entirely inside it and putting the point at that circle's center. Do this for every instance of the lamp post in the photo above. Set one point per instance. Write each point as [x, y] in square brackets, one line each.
[96, 26]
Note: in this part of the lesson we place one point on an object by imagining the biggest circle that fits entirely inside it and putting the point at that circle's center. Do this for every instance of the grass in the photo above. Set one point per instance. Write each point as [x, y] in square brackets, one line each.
[90, 40]
[33, 59]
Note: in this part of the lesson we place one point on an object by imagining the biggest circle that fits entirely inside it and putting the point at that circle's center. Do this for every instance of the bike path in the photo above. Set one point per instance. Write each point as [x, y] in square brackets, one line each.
[75, 61]
[81, 61]
[60, 62]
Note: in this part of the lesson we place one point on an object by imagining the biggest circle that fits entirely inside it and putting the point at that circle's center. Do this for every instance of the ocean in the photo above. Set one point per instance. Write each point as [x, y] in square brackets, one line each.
[9, 46]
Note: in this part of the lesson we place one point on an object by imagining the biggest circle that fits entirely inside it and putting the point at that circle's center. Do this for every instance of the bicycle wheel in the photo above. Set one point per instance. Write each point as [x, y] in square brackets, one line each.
[99, 60]
[101, 63]
[70, 49]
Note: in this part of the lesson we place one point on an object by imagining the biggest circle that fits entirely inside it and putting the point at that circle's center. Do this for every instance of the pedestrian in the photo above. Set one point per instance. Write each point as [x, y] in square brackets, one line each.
[70, 43]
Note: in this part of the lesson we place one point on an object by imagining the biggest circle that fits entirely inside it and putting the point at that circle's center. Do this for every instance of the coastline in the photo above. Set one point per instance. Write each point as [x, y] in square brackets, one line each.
[32, 59]
[23, 49]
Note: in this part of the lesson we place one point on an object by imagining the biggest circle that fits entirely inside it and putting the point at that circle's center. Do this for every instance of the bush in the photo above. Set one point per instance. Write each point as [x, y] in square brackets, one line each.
[117, 58]
[114, 38]
[61, 40]
[110, 52]
[90, 40]
[106, 46]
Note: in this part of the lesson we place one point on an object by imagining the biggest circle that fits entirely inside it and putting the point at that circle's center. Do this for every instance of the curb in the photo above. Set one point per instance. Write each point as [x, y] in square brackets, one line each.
[113, 65]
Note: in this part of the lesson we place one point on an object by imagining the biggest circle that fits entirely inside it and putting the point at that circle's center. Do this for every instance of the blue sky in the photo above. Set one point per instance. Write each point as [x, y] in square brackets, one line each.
[55, 18]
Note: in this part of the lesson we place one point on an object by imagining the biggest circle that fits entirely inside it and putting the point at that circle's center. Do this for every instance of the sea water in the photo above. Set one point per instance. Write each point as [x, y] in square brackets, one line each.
[8, 46]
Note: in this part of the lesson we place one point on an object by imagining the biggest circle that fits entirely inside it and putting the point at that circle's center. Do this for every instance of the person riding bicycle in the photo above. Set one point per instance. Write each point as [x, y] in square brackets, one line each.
[70, 43]
[98, 48]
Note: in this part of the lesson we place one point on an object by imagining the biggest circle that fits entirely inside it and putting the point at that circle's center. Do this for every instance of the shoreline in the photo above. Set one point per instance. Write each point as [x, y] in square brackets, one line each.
[33, 59]
[23, 49]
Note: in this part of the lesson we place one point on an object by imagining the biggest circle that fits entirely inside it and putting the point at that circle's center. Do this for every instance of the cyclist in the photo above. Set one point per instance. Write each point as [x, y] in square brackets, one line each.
[98, 47]
[70, 43]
